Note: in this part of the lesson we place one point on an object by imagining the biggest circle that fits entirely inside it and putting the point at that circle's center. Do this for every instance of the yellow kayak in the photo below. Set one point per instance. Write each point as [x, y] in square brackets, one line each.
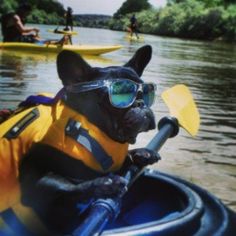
[65, 32]
[134, 38]
[43, 48]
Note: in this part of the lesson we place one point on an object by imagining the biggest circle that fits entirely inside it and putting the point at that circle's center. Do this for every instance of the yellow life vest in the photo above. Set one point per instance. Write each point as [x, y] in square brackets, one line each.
[50, 125]
[17, 135]
[74, 135]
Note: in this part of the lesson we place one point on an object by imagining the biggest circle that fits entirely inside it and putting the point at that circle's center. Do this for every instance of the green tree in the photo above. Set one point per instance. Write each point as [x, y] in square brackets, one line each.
[132, 6]
[207, 3]
[6, 6]
[44, 11]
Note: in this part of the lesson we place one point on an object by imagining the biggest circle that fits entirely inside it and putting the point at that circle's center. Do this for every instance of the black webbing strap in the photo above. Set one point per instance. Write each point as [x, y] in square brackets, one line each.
[17, 128]
[81, 135]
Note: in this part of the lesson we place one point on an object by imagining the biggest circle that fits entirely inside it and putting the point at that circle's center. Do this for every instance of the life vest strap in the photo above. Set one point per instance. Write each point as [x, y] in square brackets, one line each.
[34, 100]
[22, 124]
[81, 135]
[14, 223]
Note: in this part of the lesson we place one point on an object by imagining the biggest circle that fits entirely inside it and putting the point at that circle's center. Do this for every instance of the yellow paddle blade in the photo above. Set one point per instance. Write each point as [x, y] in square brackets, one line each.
[182, 106]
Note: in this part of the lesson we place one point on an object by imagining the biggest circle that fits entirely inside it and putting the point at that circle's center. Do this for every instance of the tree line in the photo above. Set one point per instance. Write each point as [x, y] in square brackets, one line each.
[44, 11]
[194, 19]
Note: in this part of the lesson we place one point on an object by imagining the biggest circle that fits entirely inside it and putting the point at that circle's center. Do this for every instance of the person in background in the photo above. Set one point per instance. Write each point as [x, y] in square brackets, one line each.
[133, 26]
[14, 29]
[69, 19]
[13, 26]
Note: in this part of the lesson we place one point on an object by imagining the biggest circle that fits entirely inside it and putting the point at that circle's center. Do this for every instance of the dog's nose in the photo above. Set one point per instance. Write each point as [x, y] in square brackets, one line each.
[138, 103]
[139, 100]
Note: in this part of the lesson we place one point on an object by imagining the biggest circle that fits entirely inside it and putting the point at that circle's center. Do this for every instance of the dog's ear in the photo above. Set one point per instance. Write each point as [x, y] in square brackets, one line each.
[72, 68]
[140, 59]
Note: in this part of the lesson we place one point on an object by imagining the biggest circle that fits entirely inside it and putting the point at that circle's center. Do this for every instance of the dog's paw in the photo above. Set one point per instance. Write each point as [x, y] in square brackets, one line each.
[109, 186]
[143, 157]
[102, 187]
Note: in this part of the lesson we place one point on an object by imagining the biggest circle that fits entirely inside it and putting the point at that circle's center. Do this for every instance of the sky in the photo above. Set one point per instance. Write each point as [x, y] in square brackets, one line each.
[105, 7]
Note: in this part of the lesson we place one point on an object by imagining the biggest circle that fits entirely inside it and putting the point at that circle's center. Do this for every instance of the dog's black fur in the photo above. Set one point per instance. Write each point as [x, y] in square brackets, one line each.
[53, 186]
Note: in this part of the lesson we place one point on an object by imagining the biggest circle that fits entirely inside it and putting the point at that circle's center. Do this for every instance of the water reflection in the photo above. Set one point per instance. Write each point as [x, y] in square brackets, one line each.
[209, 69]
[12, 76]
[25, 73]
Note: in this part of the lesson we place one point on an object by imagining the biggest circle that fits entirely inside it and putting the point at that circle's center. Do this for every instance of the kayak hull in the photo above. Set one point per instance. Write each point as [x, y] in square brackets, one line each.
[160, 204]
[51, 48]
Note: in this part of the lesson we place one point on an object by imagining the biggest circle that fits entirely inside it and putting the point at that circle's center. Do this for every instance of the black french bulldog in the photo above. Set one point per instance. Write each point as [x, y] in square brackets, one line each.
[53, 183]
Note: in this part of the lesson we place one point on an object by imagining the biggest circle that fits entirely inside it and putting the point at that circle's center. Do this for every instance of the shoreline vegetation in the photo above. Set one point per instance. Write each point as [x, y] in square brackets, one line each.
[190, 19]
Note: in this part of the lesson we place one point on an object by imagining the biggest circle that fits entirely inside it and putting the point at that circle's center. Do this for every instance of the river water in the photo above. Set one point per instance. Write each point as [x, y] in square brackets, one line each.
[207, 68]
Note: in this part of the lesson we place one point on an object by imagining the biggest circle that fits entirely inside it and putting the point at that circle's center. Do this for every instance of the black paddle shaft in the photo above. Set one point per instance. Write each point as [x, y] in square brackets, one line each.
[104, 211]
[168, 127]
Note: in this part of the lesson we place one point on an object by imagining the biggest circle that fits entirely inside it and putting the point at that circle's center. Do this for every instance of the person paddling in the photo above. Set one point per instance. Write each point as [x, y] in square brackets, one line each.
[13, 26]
[69, 22]
[133, 26]
[69, 19]
[14, 29]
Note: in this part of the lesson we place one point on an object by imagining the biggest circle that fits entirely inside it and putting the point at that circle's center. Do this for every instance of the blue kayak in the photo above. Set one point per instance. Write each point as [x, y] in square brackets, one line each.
[161, 204]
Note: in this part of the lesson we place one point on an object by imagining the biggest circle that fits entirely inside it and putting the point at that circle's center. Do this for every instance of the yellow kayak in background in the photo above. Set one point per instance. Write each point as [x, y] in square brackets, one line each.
[65, 32]
[53, 48]
[134, 38]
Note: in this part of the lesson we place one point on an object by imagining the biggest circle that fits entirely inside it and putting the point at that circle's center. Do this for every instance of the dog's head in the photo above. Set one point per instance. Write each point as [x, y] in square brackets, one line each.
[113, 98]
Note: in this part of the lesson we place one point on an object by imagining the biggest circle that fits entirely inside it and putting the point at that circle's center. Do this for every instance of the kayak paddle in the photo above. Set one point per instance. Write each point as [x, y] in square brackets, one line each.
[181, 105]
[185, 114]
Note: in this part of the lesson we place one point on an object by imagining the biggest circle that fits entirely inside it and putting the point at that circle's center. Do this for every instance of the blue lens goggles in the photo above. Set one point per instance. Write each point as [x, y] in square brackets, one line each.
[122, 92]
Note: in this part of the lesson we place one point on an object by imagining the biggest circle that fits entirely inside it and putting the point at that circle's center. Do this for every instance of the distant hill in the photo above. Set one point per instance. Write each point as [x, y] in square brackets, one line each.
[92, 20]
